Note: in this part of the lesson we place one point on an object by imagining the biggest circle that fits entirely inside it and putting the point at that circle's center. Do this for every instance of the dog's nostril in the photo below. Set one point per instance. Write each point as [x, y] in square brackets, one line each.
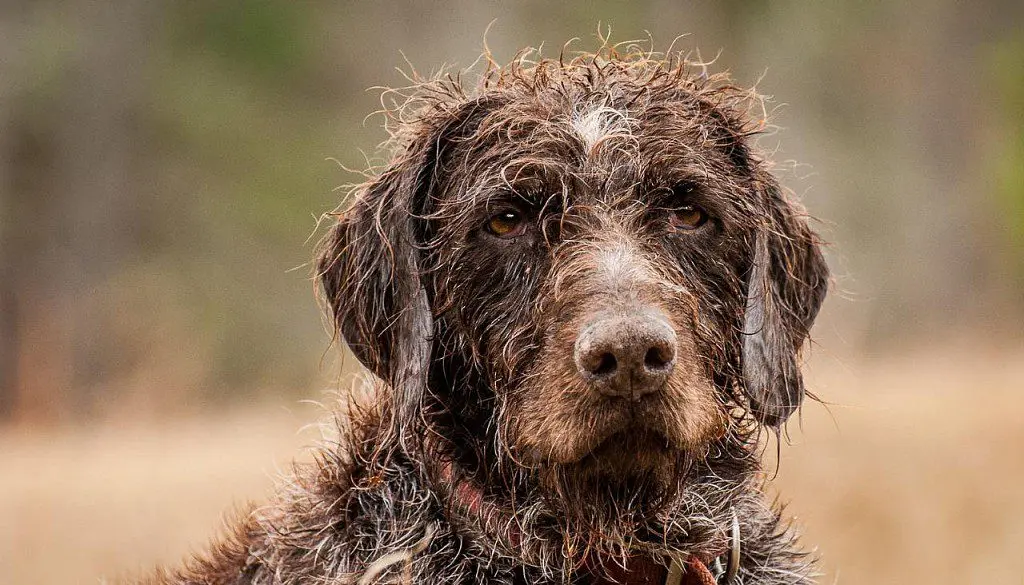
[606, 365]
[628, 355]
[657, 358]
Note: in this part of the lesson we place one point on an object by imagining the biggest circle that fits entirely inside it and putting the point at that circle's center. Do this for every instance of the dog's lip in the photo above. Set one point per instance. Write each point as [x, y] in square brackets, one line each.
[626, 438]
[621, 422]
[627, 452]
[640, 437]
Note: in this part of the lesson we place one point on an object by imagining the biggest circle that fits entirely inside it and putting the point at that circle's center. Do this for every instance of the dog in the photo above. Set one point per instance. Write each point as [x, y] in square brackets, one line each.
[583, 297]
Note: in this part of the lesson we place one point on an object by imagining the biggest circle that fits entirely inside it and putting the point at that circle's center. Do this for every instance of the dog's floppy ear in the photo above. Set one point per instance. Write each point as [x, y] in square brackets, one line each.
[369, 269]
[370, 265]
[370, 272]
[786, 285]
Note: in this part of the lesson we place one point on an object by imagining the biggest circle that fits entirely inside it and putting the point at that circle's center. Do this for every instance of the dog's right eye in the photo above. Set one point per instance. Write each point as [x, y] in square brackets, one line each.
[507, 224]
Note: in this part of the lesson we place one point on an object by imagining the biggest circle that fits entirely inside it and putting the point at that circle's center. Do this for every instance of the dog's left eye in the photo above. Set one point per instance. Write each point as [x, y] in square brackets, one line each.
[688, 217]
[507, 224]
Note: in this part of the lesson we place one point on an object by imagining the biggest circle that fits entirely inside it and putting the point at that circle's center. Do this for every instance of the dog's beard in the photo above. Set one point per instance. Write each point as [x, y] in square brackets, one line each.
[624, 480]
[601, 493]
[601, 500]
[617, 497]
[609, 496]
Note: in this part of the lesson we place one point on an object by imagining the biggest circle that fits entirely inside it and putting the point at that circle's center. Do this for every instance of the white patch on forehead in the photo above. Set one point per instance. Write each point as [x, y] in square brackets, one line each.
[598, 124]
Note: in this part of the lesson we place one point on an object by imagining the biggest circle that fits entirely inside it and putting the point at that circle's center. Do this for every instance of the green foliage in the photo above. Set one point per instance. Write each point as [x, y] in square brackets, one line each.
[266, 37]
[244, 175]
[220, 124]
[1007, 70]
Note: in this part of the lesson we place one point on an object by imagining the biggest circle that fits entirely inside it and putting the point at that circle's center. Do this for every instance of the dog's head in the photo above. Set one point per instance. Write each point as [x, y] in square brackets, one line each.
[584, 265]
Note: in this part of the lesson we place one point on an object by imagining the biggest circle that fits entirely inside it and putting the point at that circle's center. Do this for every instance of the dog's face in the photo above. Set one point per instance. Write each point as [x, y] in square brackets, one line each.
[590, 273]
[586, 264]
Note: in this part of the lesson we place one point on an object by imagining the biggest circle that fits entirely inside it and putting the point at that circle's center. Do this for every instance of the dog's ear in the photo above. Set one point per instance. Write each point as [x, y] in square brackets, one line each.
[370, 264]
[787, 282]
[369, 269]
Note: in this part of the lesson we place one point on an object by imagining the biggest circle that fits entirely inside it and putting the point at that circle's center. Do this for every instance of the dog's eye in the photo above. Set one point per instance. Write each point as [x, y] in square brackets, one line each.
[507, 224]
[688, 217]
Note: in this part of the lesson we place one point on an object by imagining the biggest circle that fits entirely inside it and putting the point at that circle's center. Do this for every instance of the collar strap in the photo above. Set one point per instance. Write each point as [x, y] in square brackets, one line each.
[646, 570]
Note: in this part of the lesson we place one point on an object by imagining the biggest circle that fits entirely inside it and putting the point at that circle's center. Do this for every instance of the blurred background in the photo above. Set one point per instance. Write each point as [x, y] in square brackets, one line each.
[163, 164]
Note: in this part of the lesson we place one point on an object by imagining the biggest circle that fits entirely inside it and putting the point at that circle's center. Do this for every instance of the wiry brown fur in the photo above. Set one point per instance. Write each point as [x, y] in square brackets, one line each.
[471, 338]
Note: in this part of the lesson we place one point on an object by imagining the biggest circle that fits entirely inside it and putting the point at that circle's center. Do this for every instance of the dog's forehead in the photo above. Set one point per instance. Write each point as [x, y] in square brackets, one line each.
[594, 124]
[588, 145]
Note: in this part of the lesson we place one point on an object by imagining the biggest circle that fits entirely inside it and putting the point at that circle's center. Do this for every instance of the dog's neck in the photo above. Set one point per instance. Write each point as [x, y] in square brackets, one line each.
[468, 504]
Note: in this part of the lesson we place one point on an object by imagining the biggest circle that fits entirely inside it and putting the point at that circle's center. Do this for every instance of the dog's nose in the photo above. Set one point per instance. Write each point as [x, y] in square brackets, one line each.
[626, 355]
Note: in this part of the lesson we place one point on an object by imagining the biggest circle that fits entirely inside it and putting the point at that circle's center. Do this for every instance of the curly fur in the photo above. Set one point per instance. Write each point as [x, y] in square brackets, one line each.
[467, 336]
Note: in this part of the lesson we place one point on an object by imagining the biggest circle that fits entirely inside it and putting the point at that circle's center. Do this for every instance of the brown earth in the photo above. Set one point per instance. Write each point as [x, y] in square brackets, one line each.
[913, 474]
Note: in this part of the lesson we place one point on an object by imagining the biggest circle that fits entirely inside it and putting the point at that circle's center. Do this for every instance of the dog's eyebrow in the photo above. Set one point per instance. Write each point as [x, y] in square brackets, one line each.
[536, 191]
[541, 202]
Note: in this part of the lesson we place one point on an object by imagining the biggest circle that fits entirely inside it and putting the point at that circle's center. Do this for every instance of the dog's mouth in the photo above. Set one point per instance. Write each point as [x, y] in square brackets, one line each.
[633, 447]
[624, 438]
[628, 452]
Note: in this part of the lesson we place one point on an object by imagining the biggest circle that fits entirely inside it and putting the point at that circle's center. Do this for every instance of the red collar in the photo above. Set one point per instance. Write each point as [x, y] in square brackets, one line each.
[467, 498]
[645, 570]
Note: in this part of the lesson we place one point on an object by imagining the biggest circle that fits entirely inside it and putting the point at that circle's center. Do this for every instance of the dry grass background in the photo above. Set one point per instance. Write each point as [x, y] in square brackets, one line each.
[913, 475]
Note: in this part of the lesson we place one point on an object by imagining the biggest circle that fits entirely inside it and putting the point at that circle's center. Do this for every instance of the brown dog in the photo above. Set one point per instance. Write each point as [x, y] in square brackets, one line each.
[584, 296]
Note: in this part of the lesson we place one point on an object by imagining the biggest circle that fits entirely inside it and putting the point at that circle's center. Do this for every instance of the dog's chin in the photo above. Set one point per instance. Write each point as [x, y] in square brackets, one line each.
[629, 454]
[629, 464]
[627, 476]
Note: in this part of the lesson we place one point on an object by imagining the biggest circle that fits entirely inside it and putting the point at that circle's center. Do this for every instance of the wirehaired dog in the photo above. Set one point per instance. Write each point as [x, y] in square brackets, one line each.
[584, 297]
